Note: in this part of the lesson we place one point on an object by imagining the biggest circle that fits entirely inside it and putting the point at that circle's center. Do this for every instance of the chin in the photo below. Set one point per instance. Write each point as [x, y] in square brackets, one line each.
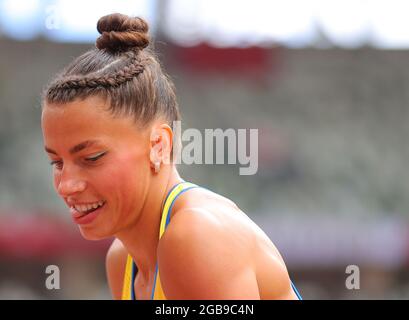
[94, 234]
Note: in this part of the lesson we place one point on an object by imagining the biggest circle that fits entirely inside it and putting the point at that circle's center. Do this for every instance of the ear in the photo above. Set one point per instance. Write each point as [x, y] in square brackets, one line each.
[161, 139]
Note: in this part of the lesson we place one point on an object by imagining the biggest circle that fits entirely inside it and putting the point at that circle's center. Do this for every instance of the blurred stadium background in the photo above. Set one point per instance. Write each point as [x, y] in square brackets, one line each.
[325, 82]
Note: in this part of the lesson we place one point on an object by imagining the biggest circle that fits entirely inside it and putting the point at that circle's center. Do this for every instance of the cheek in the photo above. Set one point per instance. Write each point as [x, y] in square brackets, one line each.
[127, 178]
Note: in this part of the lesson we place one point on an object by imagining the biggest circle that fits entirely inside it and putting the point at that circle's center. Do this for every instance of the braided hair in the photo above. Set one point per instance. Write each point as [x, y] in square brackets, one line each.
[123, 69]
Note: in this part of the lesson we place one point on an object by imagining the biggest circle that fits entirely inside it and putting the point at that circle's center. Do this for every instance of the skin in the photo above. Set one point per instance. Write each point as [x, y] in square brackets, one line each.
[210, 249]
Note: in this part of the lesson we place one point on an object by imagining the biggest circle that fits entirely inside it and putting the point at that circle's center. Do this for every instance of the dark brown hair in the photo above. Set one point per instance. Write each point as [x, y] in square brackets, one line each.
[123, 69]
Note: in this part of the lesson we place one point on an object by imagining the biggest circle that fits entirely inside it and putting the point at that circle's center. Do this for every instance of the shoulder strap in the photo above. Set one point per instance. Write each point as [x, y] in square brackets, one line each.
[175, 192]
[296, 291]
[157, 293]
[128, 279]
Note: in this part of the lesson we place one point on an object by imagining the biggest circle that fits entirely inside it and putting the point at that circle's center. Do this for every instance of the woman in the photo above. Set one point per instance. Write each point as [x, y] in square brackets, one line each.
[106, 123]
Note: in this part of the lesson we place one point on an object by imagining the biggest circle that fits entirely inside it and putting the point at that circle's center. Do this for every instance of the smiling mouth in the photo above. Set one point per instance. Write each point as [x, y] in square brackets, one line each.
[84, 213]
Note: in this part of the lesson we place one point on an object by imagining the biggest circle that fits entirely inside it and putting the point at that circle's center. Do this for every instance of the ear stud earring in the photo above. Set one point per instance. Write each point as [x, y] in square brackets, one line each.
[157, 166]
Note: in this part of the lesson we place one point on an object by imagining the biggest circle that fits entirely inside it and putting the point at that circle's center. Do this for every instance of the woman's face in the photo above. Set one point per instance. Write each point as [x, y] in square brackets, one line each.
[97, 159]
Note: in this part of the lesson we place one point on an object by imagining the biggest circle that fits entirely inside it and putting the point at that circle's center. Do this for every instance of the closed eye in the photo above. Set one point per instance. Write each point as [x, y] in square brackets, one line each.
[56, 164]
[95, 158]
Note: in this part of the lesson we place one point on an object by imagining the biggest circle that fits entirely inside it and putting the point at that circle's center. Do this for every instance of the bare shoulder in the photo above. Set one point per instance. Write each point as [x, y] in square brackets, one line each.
[115, 267]
[211, 219]
[201, 257]
[213, 250]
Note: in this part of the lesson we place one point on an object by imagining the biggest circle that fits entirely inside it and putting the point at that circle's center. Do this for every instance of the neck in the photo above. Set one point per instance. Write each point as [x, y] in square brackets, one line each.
[141, 239]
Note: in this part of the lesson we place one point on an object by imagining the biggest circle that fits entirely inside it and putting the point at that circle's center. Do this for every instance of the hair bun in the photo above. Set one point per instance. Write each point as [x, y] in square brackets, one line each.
[120, 32]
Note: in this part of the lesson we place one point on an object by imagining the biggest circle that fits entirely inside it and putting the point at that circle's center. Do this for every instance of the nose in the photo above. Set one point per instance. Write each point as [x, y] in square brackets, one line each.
[69, 185]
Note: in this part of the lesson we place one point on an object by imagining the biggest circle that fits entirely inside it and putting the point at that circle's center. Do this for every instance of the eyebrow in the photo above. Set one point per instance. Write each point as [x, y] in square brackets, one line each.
[76, 148]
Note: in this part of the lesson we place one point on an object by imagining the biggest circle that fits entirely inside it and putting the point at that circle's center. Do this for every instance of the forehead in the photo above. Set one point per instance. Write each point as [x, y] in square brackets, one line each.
[83, 120]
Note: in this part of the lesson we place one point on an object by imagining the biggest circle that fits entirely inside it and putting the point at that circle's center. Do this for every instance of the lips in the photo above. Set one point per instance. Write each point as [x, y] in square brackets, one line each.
[86, 217]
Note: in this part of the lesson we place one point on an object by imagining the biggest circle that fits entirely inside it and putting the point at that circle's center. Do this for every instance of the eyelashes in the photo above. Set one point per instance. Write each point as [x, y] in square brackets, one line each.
[58, 163]
[99, 155]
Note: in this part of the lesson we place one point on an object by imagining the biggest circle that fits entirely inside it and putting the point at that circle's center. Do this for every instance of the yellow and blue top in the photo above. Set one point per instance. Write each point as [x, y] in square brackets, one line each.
[130, 270]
